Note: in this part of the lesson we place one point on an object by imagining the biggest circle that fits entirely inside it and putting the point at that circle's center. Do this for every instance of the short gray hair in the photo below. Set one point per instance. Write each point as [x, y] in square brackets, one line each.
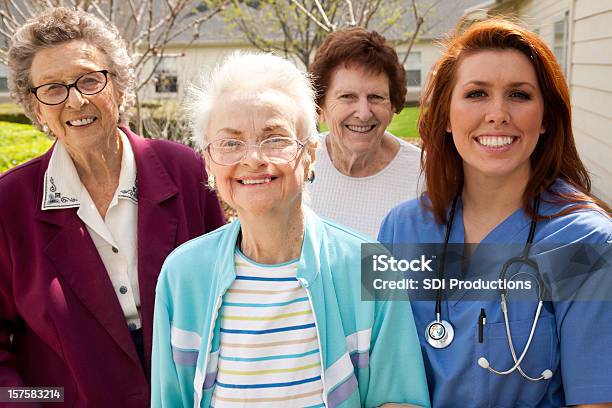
[57, 26]
[251, 72]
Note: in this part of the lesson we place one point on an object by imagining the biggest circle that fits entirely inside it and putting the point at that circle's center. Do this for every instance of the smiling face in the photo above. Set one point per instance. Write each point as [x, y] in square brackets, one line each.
[357, 108]
[82, 121]
[255, 186]
[496, 114]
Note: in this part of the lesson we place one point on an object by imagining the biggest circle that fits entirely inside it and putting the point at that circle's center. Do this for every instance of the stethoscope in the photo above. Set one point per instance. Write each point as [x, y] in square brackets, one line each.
[440, 333]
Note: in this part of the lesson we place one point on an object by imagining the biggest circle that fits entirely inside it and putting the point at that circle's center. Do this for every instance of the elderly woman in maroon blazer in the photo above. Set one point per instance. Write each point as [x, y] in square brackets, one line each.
[85, 228]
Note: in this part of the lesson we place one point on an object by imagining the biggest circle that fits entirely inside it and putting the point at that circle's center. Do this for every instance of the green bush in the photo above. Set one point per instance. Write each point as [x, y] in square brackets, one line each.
[20, 143]
[9, 112]
[15, 117]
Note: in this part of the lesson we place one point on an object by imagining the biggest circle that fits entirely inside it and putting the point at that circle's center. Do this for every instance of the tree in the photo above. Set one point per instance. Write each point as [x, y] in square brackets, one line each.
[287, 28]
[297, 27]
[148, 26]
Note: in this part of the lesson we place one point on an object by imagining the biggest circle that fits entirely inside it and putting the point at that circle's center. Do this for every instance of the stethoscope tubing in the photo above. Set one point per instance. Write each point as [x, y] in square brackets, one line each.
[443, 326]
[517, 362]
[524, 258]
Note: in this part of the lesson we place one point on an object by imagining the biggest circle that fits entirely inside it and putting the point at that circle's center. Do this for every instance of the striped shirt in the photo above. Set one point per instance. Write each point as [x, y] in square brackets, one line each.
[269, 351]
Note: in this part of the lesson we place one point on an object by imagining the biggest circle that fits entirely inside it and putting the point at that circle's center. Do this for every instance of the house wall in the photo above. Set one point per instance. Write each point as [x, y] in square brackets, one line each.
[4, 95]
[189, 67]
[200, 59]
[588, 63]
[430, 52]
[591, 88]
[541, 15]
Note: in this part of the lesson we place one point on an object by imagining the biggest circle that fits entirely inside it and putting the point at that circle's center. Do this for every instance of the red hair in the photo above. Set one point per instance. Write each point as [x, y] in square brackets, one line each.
[555, 155]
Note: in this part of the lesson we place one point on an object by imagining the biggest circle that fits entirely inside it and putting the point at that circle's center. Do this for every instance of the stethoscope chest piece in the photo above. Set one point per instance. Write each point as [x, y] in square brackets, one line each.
[439, 334]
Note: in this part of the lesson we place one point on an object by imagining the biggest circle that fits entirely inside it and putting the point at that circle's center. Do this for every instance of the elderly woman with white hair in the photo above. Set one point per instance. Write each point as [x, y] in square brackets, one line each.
[266, 311]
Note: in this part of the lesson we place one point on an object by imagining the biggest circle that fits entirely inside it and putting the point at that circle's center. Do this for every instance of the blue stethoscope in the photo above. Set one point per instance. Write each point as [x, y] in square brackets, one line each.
[440, 333]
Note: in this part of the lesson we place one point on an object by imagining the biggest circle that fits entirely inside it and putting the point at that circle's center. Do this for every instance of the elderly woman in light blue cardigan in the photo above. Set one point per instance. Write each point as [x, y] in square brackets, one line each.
[267, 310]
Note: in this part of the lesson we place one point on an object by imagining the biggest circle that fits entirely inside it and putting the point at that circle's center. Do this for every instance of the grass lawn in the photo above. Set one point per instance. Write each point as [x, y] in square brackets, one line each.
[19, 143]
[403, 125]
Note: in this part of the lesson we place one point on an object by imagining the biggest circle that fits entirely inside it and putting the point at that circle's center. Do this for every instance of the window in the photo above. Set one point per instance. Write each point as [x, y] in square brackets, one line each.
[413, 69]
[166, 78]
[560, 42]
[3, 78]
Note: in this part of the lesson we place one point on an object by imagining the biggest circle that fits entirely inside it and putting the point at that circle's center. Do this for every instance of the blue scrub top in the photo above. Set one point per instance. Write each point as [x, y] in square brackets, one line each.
[572, 339]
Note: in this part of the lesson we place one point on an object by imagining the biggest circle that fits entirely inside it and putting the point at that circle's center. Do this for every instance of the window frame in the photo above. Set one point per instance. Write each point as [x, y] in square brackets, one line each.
[166, 79]
[413, 70]
[560, 46]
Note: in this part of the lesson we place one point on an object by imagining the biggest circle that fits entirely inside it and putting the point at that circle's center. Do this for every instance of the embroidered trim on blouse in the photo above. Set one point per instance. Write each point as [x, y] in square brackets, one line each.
[55, 199]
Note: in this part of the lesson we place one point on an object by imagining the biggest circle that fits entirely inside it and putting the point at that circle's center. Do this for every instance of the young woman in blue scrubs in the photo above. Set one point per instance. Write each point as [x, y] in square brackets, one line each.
[497, 138]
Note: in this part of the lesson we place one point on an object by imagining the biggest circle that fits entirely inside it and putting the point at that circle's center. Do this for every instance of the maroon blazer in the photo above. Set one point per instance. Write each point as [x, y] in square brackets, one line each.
[56, 298]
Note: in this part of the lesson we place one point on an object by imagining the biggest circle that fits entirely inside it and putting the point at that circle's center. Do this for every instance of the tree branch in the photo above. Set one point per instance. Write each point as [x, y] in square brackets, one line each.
[352, 21]
[327, 28]
[369, 13]
[419, 22]
[324, 15]
[18, 10]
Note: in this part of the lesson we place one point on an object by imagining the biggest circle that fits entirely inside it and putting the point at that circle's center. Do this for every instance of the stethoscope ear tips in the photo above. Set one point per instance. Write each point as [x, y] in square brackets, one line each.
[484, 363]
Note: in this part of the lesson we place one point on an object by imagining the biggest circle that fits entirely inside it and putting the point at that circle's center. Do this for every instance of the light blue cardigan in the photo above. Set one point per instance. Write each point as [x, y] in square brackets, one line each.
[370, 352]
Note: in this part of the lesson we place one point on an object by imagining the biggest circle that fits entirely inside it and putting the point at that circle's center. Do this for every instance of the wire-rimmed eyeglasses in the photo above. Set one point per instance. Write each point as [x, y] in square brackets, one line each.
[90, 83]
[227, 152]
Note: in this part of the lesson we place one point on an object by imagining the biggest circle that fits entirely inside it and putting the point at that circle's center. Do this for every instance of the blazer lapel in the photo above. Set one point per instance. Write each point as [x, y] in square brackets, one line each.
[72, 251]
[157, 227]
[75, 256]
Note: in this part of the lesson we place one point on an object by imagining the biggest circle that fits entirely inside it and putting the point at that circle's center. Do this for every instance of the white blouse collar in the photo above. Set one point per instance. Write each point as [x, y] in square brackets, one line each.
[63, 188]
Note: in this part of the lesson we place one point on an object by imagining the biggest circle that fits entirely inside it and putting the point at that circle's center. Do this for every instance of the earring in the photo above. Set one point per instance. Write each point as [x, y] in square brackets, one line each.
[45, 129]
[121, 109]
[212, 183]
[311, 176]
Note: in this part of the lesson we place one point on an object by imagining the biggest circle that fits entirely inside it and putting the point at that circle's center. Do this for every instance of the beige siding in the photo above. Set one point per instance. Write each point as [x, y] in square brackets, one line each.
[591, 89]
[593, 52]
[589, 74]
[540, 15]
[593, 28]
[601, 177]
[584, 120]
[588, 8]
[593, 76]
[592, 100]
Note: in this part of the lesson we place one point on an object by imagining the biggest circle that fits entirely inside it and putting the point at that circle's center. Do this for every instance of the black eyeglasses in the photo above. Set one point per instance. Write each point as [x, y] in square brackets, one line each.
[90, 83]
